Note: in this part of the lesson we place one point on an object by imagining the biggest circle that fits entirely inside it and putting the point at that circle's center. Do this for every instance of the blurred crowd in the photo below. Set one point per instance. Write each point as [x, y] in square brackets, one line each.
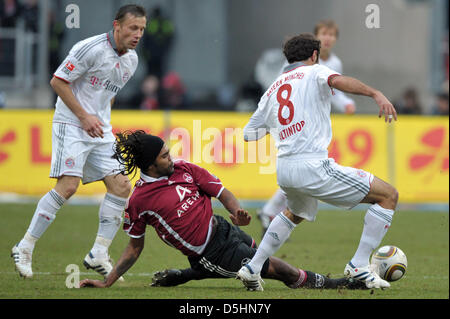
[409, 102]
[163, 88]
[11, 11]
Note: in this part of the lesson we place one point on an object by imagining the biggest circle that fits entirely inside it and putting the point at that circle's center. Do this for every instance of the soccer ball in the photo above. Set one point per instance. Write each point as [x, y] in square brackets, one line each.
[389, 262]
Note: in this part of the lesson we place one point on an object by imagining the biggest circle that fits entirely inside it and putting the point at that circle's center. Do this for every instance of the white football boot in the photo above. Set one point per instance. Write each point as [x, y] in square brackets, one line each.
[101, 265]
[367, 275]
[22, 260]
[252, 281]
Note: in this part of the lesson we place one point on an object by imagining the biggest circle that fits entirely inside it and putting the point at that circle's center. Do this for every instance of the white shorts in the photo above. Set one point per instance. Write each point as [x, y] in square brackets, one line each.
[307, 181]
[75, 153]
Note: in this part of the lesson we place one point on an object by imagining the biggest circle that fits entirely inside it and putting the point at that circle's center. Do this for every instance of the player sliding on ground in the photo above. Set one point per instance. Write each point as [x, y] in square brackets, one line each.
[174, 197]
[296, 111]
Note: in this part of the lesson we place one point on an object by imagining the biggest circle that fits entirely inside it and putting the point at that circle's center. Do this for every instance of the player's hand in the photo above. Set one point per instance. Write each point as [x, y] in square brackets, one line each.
[92, 283]
[242, 218]
[386, 107]
[92, 125]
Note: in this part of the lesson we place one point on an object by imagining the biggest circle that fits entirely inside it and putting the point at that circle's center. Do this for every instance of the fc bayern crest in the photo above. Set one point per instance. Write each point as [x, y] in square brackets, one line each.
[125, 77]
[361, 173]
[70, 162]
[187, 177]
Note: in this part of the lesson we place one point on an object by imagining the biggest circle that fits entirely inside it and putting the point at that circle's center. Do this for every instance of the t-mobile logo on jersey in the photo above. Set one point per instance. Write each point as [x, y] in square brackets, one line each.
[106, 84]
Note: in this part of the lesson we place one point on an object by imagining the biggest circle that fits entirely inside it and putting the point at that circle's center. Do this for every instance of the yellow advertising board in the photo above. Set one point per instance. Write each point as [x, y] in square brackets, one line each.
[412, 153]
[421, 159]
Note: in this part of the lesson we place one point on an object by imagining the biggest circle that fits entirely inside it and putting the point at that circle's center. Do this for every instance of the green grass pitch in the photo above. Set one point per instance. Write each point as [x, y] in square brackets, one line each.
[324, 246]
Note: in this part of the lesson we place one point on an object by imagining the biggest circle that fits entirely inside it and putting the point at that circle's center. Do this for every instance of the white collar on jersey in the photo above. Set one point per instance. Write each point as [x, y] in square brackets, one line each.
[149, 179]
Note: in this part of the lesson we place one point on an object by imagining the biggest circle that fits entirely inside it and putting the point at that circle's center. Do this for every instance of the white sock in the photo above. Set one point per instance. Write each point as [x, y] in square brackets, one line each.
[110, 219]
[44, 215]
[100, 248]
[376, 224]
[277, 203]
[278, 232]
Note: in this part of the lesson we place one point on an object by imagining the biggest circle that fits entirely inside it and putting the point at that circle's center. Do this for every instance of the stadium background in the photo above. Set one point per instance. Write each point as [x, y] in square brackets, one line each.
[219, 52]
[218, 70]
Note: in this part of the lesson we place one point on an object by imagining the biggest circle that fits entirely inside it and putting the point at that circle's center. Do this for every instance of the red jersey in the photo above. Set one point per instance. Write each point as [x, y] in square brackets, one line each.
[178, 207]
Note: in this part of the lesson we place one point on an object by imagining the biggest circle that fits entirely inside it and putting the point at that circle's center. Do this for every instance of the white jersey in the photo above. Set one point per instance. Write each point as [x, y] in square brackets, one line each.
[96, 73]
[296, 111]
[339, 99]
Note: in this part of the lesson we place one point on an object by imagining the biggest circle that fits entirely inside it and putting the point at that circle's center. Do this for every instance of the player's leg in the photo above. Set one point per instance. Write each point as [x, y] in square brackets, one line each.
[346, 187]
[68, 156]
[175, 277]
[100, 166]
[44, 215]
[277, 203]
[296, 278]
[282, 225]
[110, 212]
[275, 268]
[300, 207]
[378, 218]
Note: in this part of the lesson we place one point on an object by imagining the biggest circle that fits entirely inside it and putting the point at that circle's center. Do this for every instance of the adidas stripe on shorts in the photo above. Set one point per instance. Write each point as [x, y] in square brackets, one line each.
[75, 153]
[309, 180]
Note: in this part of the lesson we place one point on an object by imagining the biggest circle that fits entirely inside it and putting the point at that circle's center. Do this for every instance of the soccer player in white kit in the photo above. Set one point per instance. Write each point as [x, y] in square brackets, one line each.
[327, 32]
[295, 110]
[82, 140]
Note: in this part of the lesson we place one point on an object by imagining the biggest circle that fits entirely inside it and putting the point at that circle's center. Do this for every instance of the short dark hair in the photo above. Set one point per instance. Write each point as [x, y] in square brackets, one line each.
[301, 47]
[133, 9]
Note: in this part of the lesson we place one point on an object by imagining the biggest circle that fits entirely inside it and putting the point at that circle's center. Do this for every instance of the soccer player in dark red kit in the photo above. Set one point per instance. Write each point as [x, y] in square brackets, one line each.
[174, 197]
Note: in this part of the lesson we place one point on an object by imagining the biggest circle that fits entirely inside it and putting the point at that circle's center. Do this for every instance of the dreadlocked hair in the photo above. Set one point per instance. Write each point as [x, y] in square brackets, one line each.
[129, 151]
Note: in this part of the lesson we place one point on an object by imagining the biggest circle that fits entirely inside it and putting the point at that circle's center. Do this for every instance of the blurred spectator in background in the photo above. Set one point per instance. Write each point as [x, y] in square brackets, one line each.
[269, 66]
[409, 102]
[2, 100]
[249, 96]
[226, 96]
[156, 42]
[148, 97]
[30, 14]
[9, 12]
[150, 93]
[56, 36]
[173, 91]
[441, 104]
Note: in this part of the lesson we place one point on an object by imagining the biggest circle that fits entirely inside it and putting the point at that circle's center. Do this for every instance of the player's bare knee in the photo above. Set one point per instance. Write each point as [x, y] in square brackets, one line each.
[295, 219]
[66, 186]
[120, 187]
[126, 188]
[390, 198]
[67, 191]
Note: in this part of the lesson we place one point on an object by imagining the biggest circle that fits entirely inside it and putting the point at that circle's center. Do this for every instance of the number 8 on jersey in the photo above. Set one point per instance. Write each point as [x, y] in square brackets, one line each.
[285, 102]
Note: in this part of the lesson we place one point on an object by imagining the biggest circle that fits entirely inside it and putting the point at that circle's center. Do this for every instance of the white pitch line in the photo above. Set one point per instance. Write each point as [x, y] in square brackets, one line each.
[142, 274]
[147, 274]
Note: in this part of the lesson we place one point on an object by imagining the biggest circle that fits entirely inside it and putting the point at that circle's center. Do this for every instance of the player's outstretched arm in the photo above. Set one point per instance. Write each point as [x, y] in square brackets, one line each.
[354, 86]
[128, 258]
[238, 216]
